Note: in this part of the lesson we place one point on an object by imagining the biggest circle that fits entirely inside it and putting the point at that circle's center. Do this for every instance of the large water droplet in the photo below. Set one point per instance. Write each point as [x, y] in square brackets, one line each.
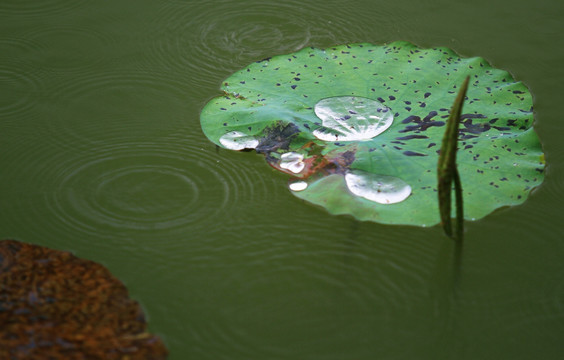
[350, 118]
[382, 189]
[298, 185]
[292, 161]
[236, 140]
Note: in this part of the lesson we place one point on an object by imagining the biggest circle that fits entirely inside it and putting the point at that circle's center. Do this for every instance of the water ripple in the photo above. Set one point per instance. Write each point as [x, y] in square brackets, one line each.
[146, 187]
[19, 47]
[115, 106]
[39, 8]
[20, 83]
[554, 181]
[163, 188]
[64, 49]
[207, 45]
[328, 268]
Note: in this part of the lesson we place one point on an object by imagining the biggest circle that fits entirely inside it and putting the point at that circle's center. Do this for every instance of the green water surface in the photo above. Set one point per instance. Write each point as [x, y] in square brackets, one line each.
[101, 153]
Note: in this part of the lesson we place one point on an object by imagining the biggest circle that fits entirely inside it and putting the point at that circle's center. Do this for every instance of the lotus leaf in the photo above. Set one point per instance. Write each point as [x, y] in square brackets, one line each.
[359, 127]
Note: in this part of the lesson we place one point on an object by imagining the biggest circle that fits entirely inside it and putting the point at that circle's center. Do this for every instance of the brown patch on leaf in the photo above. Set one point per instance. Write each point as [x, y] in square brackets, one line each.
[316, 164]
[277, 137]
[54, 305]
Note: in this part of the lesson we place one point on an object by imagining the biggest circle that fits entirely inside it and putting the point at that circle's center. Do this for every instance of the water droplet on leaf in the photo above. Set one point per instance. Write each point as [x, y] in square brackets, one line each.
[350, 118]
[236, 140]
[383, 189]
[292, 161]
[298, 186]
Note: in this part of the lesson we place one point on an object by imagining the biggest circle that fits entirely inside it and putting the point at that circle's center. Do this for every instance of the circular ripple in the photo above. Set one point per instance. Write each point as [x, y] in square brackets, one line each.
[228, 35]
[139, 192]
[305, 269]
[19, 47]
[67, 49]
[20, 83]
[554, 184]
[197, 40]
[39, 8]
[116, 107]
[141, 187]
[135, 190]
[159, 189]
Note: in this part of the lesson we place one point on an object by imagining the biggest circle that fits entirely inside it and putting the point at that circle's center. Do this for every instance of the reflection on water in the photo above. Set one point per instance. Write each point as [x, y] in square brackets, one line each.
[102, 154]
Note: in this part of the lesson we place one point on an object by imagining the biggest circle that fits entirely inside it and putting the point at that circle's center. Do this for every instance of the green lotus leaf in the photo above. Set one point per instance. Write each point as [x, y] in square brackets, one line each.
[359, 127]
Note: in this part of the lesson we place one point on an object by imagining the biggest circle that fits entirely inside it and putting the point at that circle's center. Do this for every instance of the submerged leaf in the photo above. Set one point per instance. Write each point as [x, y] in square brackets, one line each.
[381, 110]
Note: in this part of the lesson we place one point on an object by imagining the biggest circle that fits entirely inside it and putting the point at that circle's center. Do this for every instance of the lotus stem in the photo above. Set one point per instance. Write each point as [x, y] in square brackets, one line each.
[447, 172]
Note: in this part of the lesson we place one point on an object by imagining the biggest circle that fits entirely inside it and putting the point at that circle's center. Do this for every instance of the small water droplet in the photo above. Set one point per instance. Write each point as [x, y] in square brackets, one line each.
[236, 140]
[298, 185]
[292, 161]
[350, 118]
[383, 189]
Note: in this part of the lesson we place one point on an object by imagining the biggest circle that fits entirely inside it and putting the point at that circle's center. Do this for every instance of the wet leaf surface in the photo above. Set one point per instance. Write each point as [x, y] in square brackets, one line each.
[380, 111]
[54, 305]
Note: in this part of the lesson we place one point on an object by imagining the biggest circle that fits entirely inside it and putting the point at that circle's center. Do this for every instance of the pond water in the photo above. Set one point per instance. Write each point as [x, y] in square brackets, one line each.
[101, 153]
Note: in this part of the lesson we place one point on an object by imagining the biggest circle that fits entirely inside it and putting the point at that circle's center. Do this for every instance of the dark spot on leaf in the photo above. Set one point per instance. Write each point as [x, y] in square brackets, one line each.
[409, 137]
[472, 116]
[469, 127]
[468, 136]
[413, 153]
[411, 118]
[429, 116]
[421, 125]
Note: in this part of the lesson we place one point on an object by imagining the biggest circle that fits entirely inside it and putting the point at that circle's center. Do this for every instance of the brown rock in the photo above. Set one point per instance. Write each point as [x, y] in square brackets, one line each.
[54, 305]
